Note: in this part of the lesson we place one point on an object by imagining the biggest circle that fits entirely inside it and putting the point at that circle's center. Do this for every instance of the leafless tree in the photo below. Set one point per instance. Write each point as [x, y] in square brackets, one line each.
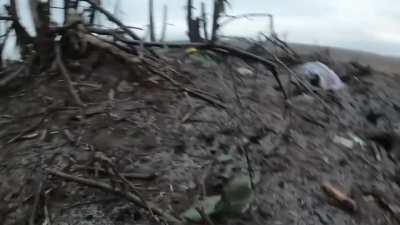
[165, 23]
[193, 24]
[219, 8]
[204, 20]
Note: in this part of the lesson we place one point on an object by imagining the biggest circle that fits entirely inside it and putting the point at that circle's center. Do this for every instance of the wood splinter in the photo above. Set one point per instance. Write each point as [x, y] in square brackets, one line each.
[340, 198]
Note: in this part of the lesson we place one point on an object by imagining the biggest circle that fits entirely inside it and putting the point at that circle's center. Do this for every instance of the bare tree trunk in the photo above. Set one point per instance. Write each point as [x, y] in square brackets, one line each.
[204, 20]
[189, 11]
[23, 37]
[165, 23]
[43, 43]
[92, 15]
[66, 9]
[151, 21]
[193, 24]
[218, 9]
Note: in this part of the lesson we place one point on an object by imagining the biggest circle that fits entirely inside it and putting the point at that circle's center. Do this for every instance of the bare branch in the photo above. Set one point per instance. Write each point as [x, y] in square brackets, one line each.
[67, 77]
[113, 19]
[106, 187]
[231, 18]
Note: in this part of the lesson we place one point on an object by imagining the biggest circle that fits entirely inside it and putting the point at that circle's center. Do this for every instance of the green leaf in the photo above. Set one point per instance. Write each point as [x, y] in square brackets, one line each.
[209, 206]
[237, 196]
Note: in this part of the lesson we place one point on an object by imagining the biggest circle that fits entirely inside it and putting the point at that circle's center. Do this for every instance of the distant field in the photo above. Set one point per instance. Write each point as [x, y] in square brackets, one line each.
[387, 64]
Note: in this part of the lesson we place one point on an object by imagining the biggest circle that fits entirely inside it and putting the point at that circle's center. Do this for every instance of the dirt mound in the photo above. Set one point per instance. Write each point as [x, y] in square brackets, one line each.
[172, 146]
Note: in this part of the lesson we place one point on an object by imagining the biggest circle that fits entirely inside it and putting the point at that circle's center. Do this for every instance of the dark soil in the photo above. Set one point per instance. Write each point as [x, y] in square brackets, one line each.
[169, 139]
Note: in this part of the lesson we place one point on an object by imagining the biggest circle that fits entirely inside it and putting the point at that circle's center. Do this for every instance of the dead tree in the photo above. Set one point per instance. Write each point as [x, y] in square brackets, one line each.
[151, 21]
[24, 39]
[193, 24]
[165, 23]
[43, 43]
[204, 20]
[219, 8]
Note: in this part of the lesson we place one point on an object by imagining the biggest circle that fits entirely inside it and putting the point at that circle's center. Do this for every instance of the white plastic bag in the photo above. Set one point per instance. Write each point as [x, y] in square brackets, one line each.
[328, 79]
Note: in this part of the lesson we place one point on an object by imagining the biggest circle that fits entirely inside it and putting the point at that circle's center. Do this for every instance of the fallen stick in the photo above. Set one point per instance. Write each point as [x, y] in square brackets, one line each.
[36, 204]
[118, 22]
[129, 58]
[304, 84]
[340, 198]
[27, 130]
[106, 187]
[67, 77]
[195, 93]
[138, 176]
[231, 18]
[224, 49]
[6, 80]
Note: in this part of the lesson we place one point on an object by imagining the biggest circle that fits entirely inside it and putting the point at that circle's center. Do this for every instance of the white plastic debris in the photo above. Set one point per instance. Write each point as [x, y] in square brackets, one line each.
[343, 141]
[328, 79]
[244, 71]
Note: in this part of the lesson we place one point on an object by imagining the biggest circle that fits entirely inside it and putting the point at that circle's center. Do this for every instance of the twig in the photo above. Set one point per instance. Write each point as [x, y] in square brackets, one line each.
[242, 16]
[220, 48]
[190, 113]
[250, 169]
[195, 93]
[112, 18]
[36, 204]
[106, 187]
[47, 219]
[138, 176]
[110, 164]
[234, 85]
[5, 18]
[90, 203]
[118, 22]
[129, 58]
[386, 205]
[29, 129]
[67, 77]
[341, 198]
[305, 85]
[6, 80]
[282, 45]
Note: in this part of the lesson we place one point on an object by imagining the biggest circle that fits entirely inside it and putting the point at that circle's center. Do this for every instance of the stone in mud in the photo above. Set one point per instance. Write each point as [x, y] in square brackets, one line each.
[124, 87]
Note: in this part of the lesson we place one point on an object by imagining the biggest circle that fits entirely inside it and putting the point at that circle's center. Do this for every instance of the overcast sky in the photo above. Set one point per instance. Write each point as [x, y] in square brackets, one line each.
[369, 25]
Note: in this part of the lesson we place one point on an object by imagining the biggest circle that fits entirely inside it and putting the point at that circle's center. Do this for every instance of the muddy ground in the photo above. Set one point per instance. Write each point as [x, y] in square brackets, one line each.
[167, 141]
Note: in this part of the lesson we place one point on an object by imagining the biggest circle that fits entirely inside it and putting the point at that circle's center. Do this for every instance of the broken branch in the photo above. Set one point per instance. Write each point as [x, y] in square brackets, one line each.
[113, 19]
[6, 80]
[106, 187]
[224, 49]
[67, 77]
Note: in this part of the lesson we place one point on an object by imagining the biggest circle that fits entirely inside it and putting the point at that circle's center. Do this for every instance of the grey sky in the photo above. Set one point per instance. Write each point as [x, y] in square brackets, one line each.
[368, 25]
